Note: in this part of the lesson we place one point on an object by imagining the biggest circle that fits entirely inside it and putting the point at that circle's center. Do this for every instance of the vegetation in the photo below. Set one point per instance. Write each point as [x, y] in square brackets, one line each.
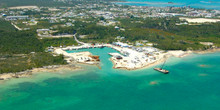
[58, 42]
[9, 3]
[99, 33]
[161, 31]
[45, 59]
[21, 50]
[6, 26]
[19, 42]
[163, 40]
[50, 3]
[21, 62]
[65, 30]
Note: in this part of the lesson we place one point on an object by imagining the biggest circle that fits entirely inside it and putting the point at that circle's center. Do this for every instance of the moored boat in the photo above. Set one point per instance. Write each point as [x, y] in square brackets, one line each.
[162, 70]
[102, 46]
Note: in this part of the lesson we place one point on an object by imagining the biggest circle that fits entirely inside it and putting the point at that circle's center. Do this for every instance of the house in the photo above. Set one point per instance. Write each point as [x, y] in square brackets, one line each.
[16, 17]
[120, 38]
[42, 30]
[121, 44]
[138, 44]
[118, 57]
[207, 43]
[117, 28]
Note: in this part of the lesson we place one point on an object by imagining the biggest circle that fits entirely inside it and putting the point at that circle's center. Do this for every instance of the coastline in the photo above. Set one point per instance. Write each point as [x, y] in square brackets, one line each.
[174, 53]
[51, 68]
[159, 3]
[72, 67]
[143, 67]
[207, 51]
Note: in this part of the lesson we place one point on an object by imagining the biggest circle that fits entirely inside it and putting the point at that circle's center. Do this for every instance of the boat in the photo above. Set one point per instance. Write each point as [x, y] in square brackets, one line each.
[161, 69]
[102, 46]
[170, 3]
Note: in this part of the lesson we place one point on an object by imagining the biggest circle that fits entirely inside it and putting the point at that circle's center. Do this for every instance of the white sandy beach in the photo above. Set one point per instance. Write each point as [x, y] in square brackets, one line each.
[200, 20]
[23, 7]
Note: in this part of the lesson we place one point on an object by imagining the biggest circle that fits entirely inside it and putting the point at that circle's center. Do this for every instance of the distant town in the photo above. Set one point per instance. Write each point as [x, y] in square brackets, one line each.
[26, 17]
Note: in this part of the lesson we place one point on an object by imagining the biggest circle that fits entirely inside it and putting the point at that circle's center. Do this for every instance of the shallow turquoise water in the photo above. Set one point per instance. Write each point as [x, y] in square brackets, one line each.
[208, 4]
[193, 84]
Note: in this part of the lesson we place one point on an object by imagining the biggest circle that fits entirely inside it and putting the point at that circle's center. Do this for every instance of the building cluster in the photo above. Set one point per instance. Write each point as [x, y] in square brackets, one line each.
[132, 57]
[108, 11]
[99, 13]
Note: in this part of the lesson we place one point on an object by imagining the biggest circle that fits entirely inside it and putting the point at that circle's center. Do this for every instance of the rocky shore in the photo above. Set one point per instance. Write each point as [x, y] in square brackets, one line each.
[51, 68]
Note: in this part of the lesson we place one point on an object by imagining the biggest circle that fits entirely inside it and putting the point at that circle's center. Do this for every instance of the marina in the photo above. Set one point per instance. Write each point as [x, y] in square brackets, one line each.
[127, 56]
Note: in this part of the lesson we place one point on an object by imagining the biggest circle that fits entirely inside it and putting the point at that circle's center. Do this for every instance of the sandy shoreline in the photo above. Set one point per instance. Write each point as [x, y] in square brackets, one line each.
[207, 51]
[163, 57]
[175, 53]
[72, 67]
[144, 67]
[52, 68]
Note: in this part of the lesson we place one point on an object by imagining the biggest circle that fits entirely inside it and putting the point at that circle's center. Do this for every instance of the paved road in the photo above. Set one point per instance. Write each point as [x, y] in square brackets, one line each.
[16, 26]
[78, 40]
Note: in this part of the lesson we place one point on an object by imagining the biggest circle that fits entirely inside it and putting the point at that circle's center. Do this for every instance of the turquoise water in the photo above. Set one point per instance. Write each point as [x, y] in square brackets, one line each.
[193, 84]
[208, 4]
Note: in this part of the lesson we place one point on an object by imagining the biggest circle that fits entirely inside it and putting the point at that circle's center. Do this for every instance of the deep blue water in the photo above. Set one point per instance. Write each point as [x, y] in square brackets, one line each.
[207, 4]
[193, 84]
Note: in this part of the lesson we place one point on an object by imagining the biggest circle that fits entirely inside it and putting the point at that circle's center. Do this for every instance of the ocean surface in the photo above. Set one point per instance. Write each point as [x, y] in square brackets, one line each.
[193, 84]
[207, 4]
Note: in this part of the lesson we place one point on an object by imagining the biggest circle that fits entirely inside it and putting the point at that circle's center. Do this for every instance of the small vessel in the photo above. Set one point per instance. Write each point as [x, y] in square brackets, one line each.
[161, 69]
[102, 46]
[170, 3]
